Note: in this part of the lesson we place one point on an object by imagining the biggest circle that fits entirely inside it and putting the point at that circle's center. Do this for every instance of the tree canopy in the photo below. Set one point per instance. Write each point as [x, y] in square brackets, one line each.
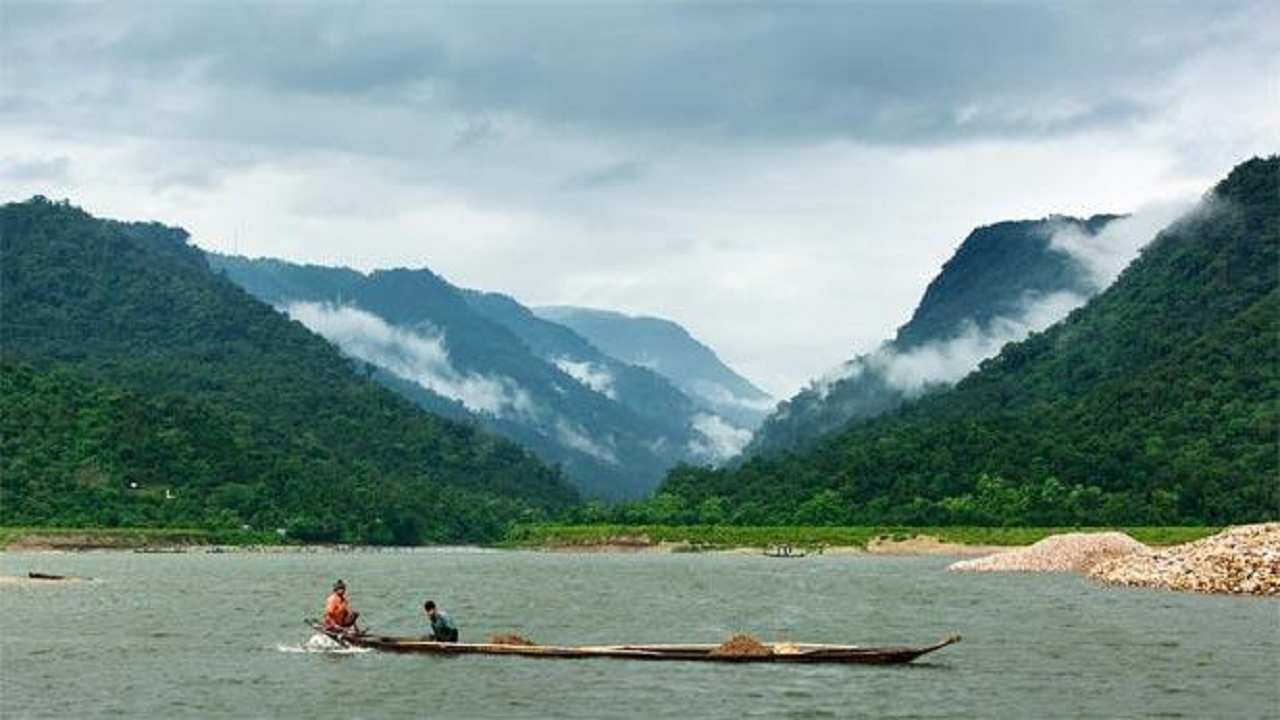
[139, 387]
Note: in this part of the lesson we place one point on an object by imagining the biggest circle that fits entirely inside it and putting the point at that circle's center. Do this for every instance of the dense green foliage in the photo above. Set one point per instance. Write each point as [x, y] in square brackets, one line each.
[994, 275]
[138, 388]
[1157, 403]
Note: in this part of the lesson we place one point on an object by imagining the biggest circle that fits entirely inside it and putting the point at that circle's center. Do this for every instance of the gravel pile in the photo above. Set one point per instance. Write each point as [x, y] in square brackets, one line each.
[742, 646]
[510, 639]
[1243, 559]
[1069, 552]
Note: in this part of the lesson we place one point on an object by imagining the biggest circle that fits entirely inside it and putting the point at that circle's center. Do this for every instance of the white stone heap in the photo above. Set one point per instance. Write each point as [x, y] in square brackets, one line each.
[1243, 559]
[1068, 552]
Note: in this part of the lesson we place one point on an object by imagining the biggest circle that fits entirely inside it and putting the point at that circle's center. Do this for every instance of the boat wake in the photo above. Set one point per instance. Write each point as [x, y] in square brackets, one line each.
[321, 643]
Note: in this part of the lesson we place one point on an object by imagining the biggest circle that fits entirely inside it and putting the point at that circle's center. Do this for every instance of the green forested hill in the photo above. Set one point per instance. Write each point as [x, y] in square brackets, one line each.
[994, 270]
[1158, 402]
[1001, 275]
[138, 387]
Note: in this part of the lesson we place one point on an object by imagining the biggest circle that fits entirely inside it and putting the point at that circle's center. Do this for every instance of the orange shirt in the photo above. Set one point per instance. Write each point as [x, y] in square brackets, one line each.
[336, 612]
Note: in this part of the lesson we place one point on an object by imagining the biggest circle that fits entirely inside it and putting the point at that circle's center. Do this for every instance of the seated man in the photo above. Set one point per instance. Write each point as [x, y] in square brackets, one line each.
[442, 627]
[338, 615]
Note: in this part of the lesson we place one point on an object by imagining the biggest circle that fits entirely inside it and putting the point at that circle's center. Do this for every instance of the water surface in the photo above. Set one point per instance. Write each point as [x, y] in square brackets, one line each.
[221, 635]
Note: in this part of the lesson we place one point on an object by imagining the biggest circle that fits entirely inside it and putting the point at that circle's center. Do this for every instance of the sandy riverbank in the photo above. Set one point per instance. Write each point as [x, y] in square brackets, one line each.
[927, 545]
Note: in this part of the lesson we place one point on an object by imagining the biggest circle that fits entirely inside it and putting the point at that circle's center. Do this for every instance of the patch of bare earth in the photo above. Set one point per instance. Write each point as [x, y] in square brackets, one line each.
[925, 545]
[620, 544]
[1239, 560]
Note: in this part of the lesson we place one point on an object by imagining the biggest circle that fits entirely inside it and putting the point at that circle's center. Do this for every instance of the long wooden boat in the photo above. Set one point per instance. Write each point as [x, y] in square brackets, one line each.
[776, 652]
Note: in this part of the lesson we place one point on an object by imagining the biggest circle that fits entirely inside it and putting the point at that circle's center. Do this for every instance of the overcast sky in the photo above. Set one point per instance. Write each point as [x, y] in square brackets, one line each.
[782, 179]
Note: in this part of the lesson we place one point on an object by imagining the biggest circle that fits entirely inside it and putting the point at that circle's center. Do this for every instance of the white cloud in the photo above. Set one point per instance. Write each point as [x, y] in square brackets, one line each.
[847, 370]
[945, 362]
[718, 394]
[419, 356]
[589, 374]
[716, 439]
[1110, 251]
[572, 436]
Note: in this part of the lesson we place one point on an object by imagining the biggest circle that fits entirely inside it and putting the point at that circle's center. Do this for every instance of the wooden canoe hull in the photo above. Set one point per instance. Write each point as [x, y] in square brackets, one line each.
[778, 652]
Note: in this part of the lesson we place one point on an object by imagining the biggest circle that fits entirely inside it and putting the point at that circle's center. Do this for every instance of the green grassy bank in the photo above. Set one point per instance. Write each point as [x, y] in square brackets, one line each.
[545, 535]
[721, 536]
[89, 538]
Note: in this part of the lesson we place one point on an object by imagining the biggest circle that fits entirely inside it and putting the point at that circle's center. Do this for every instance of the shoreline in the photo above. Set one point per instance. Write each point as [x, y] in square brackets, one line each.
[1238, 560]
[641, 539]
[924, 545]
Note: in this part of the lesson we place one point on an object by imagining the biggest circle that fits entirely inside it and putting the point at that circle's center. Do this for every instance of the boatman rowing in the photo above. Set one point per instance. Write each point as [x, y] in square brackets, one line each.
[338, 615]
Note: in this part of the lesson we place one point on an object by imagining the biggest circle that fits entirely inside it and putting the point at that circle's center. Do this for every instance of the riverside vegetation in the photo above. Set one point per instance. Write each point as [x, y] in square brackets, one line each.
[713, 537]
[552, 535]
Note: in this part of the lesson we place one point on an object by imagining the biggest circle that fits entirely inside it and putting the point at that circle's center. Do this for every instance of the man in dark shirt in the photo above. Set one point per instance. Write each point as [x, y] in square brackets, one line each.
[442, 627]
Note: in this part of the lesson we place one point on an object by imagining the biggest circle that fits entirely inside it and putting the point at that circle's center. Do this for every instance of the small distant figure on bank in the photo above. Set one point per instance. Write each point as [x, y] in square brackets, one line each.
[442, 627]
[338, 615]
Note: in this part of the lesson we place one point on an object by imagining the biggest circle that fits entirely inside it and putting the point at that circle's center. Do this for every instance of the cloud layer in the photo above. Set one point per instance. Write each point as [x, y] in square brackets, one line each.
[782, 180]
[420, 357]
[1108, 252]
[1103, 255]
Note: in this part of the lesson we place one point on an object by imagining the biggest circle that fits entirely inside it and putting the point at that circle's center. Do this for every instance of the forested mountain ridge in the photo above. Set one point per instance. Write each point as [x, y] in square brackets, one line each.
[141, 388]
[994, 270]
[1003, 282]
[643, 391]
[614, 428]
[1155, 403]
[669, 350]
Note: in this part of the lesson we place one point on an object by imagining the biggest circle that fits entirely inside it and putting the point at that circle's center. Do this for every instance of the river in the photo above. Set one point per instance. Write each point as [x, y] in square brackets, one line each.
[221, 635]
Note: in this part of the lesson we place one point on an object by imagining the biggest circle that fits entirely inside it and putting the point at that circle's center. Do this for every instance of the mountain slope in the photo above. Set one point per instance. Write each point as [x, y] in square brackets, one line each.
[1155, 403]
[1004, 281]
[669, 350]
[645, 392]
[614, 428]
[168, 395]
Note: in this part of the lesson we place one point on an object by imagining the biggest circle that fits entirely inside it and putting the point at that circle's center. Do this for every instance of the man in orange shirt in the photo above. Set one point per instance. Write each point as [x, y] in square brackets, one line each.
[338, 615]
